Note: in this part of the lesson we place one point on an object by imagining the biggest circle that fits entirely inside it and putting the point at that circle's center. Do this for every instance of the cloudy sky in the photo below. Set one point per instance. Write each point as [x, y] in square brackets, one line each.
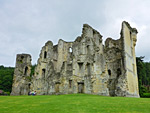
[26, 25]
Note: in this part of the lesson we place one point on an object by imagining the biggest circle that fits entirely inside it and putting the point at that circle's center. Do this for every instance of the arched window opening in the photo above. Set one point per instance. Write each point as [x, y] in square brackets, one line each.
[26, 70]
[109, 72]
[43, 72]
[118, 72]
[70, 50]
[45, 54]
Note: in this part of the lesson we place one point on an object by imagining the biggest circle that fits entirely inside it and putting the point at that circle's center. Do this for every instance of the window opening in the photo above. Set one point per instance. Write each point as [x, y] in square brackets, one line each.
[70, 50]
[26, 70]
[43, 72]
[118, 72]
[45, 54]
[80, 67]
[109, 72]
[70, 83]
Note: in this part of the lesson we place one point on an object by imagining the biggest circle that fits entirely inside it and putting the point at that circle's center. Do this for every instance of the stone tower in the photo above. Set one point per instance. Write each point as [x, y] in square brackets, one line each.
[121, 63]
[129, 36]
[21, 80]
[84, 66]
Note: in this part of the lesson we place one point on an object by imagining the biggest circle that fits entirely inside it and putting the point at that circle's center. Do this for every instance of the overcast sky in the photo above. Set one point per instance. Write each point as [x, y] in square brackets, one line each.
[26, 25]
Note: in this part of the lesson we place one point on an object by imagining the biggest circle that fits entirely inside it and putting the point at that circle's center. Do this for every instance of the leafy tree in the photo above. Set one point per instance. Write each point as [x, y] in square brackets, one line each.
[6, 78]
[32, 70]
[143, 71]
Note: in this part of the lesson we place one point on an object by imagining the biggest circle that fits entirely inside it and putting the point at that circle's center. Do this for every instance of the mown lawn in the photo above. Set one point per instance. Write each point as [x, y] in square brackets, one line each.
[73, 103]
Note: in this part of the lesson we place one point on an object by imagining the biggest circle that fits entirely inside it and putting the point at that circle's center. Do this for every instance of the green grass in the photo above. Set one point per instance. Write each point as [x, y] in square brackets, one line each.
[73, 103]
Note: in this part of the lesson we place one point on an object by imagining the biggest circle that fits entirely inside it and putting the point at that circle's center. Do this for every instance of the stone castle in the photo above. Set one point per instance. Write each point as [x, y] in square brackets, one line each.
[83, 66]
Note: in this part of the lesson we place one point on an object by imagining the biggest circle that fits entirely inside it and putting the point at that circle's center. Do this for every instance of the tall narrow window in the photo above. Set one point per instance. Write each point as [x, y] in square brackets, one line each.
[118, 72]
[80, 67]
[29, 85]
[70, 50]
[43, 72]
[26, 70]
[45, 54]
[109, 72]
[70, 83]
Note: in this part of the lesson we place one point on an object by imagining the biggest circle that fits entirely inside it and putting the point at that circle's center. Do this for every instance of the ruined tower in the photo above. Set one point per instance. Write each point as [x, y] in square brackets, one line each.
[121, 63]
[21, 80]
[86, 66]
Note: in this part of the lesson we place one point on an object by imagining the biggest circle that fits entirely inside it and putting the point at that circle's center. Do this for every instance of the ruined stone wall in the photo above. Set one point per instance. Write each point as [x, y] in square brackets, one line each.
[53, 69]
[87, 66]
[115, 67]
[89, 63]
[129, 42]
[21, 79]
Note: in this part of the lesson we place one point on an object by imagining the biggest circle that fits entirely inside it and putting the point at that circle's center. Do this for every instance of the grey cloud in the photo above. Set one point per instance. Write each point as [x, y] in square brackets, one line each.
[27, 24]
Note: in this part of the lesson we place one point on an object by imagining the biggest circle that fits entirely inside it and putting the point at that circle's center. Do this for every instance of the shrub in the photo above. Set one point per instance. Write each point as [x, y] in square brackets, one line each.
[146, 95]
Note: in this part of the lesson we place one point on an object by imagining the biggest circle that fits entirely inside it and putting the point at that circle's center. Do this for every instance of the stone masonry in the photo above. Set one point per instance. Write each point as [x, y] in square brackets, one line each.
[21, 80]
[83, 66]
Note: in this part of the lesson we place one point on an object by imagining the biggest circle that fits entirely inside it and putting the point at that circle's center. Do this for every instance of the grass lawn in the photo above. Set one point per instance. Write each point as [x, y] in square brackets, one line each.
[73, 103]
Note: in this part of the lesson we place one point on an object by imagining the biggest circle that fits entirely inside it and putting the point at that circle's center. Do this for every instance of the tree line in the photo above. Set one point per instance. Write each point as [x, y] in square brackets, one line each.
[6, 79]
[143, 71]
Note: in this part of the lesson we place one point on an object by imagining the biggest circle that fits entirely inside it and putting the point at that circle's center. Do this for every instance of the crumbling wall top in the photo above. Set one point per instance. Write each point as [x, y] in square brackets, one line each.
[131, 29]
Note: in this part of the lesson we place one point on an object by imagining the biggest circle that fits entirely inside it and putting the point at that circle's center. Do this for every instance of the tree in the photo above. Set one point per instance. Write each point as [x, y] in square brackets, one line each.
[143, 71]
[6, 78]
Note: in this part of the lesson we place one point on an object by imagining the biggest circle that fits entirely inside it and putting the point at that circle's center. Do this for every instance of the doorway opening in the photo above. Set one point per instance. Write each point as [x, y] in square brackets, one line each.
[80, 87]
[57, 87]
[43, 72]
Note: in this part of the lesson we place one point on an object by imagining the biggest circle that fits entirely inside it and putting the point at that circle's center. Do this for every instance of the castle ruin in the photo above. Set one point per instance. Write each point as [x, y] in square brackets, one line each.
[83, 66]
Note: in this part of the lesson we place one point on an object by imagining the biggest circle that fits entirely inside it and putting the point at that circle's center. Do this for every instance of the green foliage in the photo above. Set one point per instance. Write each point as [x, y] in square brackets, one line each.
[32, 70]
[146, 95]
[73, 103]
[6, 78]
[143, 71]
